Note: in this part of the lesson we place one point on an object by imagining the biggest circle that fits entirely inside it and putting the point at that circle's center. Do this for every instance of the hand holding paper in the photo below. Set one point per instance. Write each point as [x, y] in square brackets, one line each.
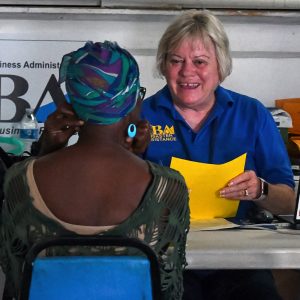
[204, 182]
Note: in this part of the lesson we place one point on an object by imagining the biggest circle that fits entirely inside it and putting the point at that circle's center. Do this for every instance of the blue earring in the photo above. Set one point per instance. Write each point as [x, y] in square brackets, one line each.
[131, 131]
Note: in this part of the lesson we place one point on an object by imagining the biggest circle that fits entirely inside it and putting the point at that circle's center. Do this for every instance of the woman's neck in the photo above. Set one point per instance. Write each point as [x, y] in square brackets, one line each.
[194, 117]
[101, 134]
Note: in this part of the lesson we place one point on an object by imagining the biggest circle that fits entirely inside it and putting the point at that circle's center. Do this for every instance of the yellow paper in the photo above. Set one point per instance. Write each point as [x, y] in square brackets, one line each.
[205, 181]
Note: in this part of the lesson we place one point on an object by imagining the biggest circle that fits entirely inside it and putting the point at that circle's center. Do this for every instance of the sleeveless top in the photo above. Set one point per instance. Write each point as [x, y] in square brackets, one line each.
[161, 220]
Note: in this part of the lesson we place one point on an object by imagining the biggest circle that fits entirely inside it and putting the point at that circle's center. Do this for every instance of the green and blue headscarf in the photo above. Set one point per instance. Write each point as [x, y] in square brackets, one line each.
[102, 82]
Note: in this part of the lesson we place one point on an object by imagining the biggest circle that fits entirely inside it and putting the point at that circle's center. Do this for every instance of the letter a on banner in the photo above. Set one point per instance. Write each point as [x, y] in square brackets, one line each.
[57, 95]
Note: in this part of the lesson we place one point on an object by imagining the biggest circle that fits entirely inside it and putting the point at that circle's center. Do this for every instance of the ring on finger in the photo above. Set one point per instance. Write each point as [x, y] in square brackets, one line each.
[246, 193]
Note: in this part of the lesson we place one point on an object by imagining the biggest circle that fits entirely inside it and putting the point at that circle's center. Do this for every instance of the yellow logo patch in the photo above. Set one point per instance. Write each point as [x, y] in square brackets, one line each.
[162, 134]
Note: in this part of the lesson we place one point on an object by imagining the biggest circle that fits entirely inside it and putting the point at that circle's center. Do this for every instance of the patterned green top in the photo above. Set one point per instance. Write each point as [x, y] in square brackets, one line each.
[162, 217]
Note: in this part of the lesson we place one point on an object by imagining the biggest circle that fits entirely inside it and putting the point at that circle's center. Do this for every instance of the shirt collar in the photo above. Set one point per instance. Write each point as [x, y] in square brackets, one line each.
[164, 98]
[223, 97]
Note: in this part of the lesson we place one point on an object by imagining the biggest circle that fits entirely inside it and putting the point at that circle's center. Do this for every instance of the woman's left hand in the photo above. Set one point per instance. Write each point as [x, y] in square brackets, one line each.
[246, 186]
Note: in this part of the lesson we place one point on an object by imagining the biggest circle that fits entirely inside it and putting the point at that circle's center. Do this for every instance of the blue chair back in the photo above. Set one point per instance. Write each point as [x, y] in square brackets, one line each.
[91, 277]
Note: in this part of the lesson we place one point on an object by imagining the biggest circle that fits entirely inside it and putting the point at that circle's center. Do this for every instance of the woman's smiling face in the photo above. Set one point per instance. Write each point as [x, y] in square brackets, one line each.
[191, 71]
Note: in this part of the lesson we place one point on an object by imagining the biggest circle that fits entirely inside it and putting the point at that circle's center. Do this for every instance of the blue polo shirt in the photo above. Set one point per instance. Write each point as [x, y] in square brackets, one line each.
[237, 124]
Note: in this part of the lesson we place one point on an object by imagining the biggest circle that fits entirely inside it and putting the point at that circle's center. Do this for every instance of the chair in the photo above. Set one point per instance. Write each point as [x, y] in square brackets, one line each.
[91, 277]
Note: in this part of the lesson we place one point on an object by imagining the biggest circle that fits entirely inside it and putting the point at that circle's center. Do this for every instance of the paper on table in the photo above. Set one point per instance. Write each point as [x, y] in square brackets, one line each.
[212, 224]
[204, 182]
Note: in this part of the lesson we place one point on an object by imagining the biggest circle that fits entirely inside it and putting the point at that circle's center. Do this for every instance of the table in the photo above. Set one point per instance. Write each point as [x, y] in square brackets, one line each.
[243, 249]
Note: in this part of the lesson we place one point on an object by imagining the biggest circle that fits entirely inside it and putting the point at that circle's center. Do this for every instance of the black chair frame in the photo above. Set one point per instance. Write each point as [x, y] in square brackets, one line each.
[90, 241]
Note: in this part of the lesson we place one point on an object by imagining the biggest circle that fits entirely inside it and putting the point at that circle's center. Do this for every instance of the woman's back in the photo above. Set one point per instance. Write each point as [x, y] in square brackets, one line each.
[161, 219]
[92, 185]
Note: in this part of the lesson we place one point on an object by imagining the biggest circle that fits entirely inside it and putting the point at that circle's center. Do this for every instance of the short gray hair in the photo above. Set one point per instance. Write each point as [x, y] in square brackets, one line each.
[196, 24]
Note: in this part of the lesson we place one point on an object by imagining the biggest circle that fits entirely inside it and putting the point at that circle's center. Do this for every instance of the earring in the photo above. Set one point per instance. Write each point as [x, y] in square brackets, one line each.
[131, 131]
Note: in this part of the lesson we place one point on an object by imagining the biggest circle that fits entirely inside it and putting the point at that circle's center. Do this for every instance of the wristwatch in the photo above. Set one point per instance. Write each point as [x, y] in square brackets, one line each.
[264, 188]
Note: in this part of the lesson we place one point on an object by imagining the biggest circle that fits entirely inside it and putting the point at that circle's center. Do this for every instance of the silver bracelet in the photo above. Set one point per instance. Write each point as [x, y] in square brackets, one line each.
[264, 190]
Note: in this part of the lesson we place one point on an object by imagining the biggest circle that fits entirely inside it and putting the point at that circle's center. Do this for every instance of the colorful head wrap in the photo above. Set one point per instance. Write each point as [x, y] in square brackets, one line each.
[102, 82]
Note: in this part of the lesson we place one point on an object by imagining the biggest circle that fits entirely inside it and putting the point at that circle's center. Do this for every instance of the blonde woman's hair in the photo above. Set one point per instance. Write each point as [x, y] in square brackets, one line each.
[196, 24]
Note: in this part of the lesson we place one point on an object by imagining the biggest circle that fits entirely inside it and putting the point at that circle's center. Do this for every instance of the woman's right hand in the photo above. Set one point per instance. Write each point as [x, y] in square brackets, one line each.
[59, 127]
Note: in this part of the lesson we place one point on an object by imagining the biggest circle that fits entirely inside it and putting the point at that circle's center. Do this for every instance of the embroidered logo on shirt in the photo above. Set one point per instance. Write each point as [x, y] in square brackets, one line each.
[162, 134]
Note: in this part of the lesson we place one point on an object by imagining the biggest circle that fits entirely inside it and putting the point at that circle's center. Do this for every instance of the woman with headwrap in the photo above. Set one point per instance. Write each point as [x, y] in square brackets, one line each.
[97, 186]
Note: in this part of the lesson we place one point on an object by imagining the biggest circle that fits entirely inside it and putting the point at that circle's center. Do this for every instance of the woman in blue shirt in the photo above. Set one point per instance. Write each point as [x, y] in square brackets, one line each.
[195, 118]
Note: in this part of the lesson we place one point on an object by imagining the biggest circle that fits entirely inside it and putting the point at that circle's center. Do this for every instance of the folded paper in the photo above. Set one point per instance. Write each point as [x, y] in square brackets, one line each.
[205, 181]
[212, 224]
